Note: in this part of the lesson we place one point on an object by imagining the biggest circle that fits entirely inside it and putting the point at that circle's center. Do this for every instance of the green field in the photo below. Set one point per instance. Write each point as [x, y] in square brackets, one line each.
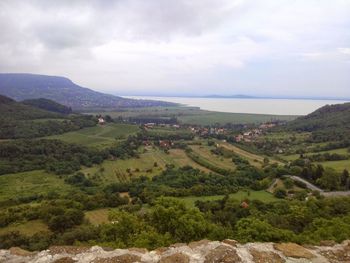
[123, 170]
[240, 196]
[337, 165]
[193, 115]
[293, 157]
[98, 216]
[205, 153]
[208, 118]
[98, 136]
[27, 228]
[30, 183]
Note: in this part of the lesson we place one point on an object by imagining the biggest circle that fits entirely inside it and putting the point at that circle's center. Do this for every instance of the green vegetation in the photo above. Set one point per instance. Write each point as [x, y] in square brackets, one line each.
[100, 136]
[241, 195]
[30, 184]
[19, 120]
[126, 185]
[193, 116]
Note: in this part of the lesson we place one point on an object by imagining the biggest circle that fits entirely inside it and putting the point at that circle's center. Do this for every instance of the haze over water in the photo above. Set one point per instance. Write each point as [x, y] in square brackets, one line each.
[261, 106]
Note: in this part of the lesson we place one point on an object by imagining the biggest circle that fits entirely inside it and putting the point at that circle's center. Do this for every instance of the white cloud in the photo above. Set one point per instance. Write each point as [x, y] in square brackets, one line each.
[226, 46]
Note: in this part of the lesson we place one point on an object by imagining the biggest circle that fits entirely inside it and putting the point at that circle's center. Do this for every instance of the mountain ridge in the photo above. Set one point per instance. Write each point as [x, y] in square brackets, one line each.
[24, 86]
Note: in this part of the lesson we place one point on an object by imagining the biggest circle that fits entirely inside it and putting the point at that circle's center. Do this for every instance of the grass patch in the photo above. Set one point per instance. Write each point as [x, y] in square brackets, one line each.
[240, 196]
[13, 186]
[339, 166]
[100, 136]
[193, 115]
[98, 216]
[27, 228]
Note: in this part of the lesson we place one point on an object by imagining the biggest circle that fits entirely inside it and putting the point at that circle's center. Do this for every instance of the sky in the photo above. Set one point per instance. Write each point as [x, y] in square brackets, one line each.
[298, 48]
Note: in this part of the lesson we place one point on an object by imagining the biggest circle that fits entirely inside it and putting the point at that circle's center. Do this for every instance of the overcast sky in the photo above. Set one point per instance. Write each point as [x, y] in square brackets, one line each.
[261, 47]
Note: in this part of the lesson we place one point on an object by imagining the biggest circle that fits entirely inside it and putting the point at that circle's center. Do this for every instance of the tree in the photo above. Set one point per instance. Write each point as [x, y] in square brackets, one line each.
[280, 193]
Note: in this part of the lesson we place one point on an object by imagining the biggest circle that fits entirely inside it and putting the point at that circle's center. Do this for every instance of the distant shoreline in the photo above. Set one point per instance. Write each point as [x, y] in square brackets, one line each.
[272, 106]
[239, 97]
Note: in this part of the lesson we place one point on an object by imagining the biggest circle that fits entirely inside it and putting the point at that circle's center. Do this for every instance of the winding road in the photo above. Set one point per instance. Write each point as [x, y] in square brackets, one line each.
[315, 188]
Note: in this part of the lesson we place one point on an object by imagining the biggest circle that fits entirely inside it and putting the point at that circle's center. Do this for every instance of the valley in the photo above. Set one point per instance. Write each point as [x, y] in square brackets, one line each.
[67, 177]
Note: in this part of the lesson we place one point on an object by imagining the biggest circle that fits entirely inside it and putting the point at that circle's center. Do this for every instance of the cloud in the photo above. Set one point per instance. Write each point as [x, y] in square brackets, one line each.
[226, 46]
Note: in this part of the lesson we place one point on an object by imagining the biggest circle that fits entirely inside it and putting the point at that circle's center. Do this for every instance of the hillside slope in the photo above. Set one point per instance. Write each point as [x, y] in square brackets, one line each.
[11, 109]
[331, 122]
[48, 105]
[19, 120]
[64, 91]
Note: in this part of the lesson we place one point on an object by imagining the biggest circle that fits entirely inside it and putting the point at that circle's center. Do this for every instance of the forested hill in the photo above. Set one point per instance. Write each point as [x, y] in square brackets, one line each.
[19, 120]
[331, 122]
[48, 105]
[11, 109]
[64, 91]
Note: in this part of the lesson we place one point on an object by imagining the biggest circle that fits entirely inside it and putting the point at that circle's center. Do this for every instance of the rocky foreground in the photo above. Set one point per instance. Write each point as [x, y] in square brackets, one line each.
[195, 252]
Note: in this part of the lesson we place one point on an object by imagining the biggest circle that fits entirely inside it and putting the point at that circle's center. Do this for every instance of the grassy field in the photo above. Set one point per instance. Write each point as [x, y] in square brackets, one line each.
[193, 115]
[208, 118]
[123, 170]
[29, 183]
[337, 165]
[98, 217]
[240, 196]
[293, 157]
[28, 228]
[99, 136]
[205, 153]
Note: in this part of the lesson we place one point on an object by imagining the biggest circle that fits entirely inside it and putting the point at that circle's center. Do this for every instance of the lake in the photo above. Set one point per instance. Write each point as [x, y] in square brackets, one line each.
[262, 106]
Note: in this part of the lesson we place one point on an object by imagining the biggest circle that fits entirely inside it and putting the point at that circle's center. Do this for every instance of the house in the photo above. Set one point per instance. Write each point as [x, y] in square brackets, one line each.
[244, 205]
[101, 121]
[165, 144]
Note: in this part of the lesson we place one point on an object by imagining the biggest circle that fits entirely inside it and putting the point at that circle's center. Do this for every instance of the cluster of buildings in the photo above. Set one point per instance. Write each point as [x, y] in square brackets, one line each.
[202, 131]
[251, 135]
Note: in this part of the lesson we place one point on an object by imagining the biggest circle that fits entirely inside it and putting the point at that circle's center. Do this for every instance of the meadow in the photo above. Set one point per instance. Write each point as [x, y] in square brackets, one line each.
[21, 185]
[100, 136]
[240, 196]
[196, 116]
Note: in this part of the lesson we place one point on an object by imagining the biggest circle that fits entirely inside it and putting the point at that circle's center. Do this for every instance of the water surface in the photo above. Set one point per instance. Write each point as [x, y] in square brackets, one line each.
[261, 106]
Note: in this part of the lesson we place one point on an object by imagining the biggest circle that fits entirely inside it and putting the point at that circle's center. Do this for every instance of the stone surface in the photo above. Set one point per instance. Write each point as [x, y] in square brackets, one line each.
[204, 251]
[230, 242]
[222, 254]
[126, 258]
[266, 257]
[175, 258]
[65, 260]
[17, 251]
[67, 249]
[294, 250]
[337, 255]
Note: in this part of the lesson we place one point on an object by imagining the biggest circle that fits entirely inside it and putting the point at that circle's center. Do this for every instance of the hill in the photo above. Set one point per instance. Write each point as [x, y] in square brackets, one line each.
[11, 109]
[20, 120]
[48, 105]
[331, 122]
[64, 91]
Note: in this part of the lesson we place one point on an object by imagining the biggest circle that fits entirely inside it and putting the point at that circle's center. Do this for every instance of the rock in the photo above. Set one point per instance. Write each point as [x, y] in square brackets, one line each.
[327, 243]
[294, 250]
[230, 242]
[337, 255]
[17, 251]
[126, 258]
[178, 245]
[195, 244]
[161, 250]
[265, 257]
[67, 250]
[222, 254]
[65, 260]
[138, 250]
[175, 258]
